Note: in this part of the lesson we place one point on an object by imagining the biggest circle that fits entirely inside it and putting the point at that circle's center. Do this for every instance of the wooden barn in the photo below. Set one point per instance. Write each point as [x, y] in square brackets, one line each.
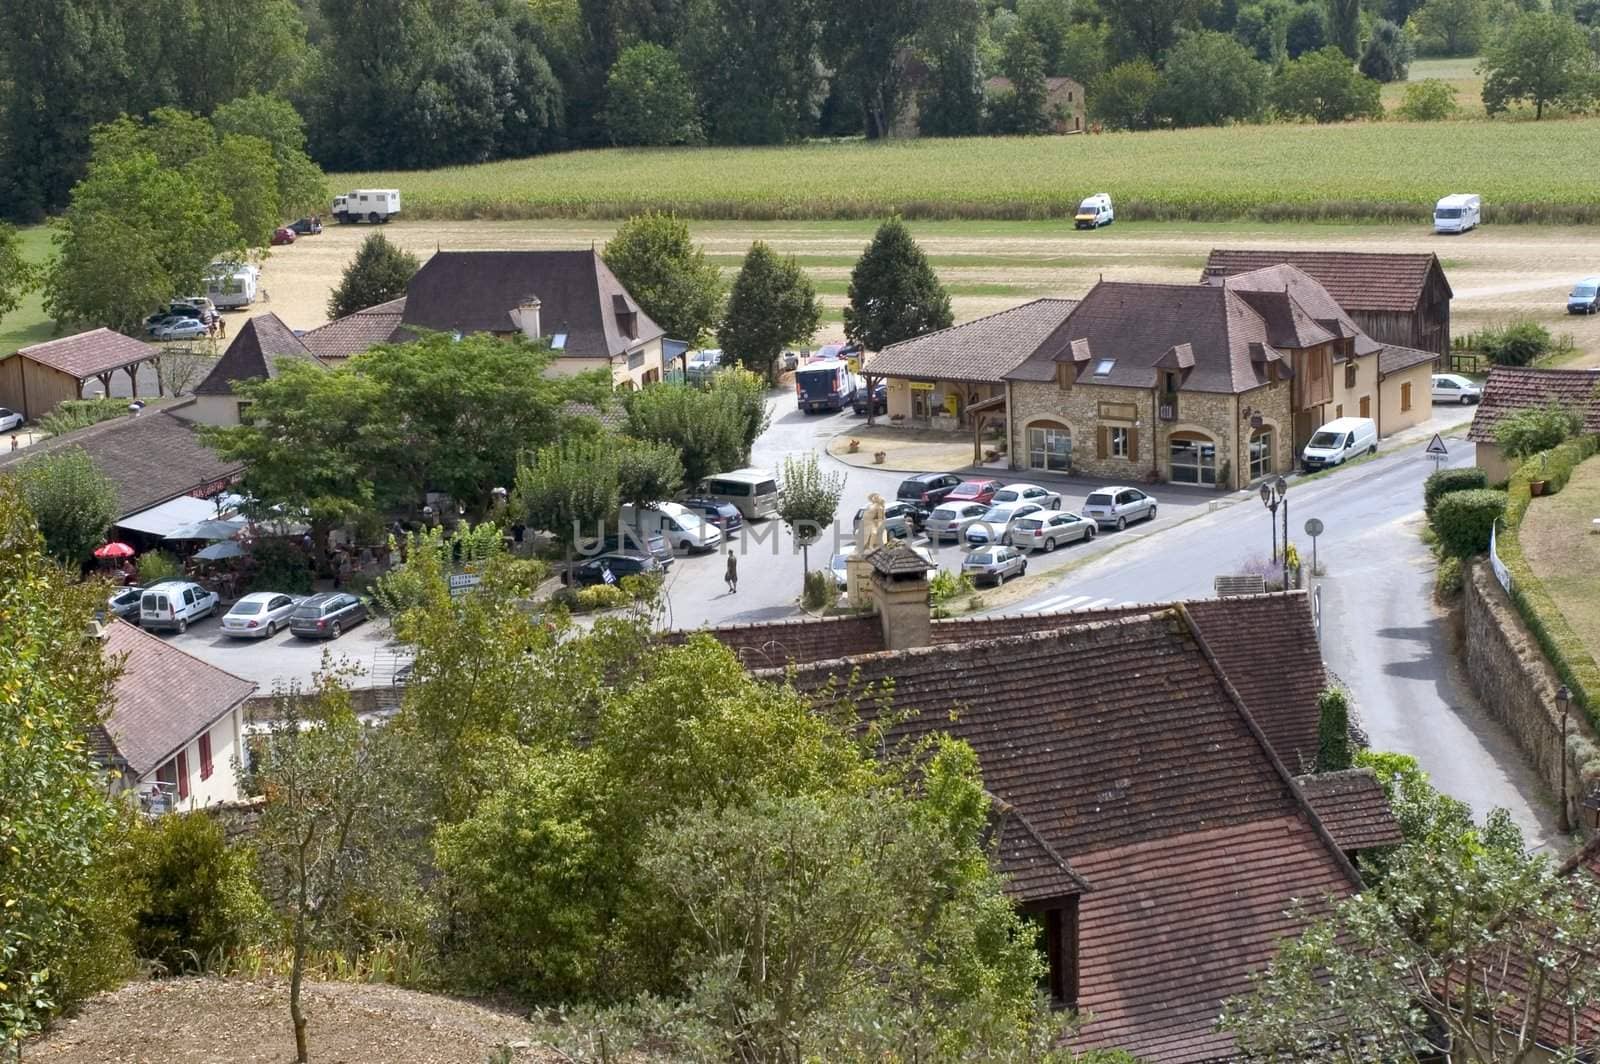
[1397, 298]
[37, 379]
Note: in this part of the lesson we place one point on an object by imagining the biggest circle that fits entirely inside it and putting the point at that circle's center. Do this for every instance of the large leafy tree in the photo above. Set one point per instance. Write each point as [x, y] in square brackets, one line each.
[951, 101]
[379, 272]
[18, 276]
[569, 490]
[1212, 79]
[894, 293]
[734, 44]
[1543, 58]
[1388, 53]
[772, 306]
[810, 501]
[1323, 86]
[302, 188]
[1125, 95]
[658, 263]
[72, 501]
[867, 45]
[1451, 27]
[650, 101]
[1149, 27]
[707, 428]
[1344, 26]
[1020, 108]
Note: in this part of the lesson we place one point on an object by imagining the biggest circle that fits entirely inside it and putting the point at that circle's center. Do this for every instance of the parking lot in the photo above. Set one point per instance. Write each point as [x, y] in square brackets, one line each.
[284, 661]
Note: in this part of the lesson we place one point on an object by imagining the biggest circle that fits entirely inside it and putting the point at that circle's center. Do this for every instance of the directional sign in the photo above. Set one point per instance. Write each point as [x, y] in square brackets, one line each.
[1314, 528]
[461, 583]
[1436, 446]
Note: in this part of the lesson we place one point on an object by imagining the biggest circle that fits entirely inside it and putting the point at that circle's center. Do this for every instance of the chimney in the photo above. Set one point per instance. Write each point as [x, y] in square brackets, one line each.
[900, 595]
[526, 317]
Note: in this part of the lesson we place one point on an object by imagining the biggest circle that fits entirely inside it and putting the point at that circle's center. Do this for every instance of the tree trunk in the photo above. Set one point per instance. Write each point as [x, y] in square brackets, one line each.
[297, 970]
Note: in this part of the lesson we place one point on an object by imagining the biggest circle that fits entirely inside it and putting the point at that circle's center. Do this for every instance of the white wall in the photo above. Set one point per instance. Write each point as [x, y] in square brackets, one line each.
[223, 784]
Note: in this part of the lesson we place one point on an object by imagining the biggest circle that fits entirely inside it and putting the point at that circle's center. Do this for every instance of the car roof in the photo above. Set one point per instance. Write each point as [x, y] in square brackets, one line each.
[169, 583]
[319, 598]
[924, 477]
[631, 555]
[1110, 487]
[262, 596]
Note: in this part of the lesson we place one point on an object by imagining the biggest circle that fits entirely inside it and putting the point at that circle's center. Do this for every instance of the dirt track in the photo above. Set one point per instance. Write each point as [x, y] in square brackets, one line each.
[1497, 272]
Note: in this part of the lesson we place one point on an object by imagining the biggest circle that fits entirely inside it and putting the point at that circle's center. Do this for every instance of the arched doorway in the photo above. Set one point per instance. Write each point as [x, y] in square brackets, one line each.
[1049, 446]
[1263, 446]
[1191, 458]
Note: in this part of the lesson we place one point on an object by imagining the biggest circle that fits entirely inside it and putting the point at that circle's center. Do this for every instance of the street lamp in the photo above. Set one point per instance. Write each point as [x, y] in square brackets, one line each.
[1564, 700]
[1273, 495]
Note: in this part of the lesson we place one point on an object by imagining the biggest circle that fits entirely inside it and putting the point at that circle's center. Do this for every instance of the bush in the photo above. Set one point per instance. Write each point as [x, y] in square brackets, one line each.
[820, 590]
[949, 584]
[564, 598]
[1388, 53]
[1529, 432]
[1463, 520]
[199, 897]
[1518, 344]
[1323, 87]
[602, 597]
[1429, 100]
[1445, 481]
[73, 414]
[1447, 577]
[1333, 731]
[279, 566]
[156, 566]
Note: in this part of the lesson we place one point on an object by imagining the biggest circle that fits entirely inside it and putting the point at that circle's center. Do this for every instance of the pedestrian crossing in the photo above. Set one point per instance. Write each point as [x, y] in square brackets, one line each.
[1068, 603]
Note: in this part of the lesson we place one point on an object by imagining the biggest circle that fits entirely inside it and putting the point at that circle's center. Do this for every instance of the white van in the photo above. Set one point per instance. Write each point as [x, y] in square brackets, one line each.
[1457, 213]
[679, 526]
[1339, 440]
[1094, 212]
[174, 603]
[754, 491]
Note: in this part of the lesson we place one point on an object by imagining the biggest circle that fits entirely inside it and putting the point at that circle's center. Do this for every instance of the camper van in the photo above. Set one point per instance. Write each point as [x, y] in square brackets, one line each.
[1457, 213]
[1094, 212]
[373, 205]
[231, 285]
[1338, 441]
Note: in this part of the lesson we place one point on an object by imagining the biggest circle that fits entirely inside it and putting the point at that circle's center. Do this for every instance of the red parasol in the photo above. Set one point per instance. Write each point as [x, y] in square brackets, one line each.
[114, 550]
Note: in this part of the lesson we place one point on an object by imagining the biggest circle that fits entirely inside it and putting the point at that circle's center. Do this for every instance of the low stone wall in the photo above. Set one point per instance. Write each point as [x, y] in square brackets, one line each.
[1515, 682]
[363, 700]
[239, 819]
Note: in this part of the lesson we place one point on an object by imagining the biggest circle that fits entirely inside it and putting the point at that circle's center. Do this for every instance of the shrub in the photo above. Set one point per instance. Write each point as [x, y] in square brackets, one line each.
[820, 589]
[1447, 577]
[564, 598]
[948, 584]
[642, 587]
[1445, 481]
[602, 597]
[279, 566]
[1528, 432]
[156, 566]
[1388, 53]
[1518, 344]
[73, 414]
[1429, 100]
[1323, 87]
[1464, 519]
[199, 897]
[1333, 731]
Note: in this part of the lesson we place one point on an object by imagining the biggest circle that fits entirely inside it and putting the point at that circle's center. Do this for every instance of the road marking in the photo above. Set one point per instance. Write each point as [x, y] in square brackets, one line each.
[1071, 603]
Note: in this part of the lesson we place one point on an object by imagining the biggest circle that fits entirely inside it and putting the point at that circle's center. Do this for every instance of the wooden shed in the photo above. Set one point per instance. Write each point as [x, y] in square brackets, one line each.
[37, 379]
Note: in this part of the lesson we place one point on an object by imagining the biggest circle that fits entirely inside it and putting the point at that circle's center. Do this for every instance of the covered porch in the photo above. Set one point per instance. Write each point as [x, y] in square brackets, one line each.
[39, 378]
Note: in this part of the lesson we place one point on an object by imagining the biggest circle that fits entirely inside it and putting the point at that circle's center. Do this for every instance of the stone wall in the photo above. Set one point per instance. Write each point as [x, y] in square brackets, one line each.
[1514, 681]
[239, 819]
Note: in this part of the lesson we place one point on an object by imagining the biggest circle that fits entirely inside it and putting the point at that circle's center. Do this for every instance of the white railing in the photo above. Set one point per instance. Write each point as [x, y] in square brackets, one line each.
[1501, 573]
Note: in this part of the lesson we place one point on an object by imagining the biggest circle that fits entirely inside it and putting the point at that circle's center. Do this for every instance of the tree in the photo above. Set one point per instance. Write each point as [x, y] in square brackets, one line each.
[1333, 730]
[746, 393]
[18, 276]
[1525, 433]
[338, 825]
[246, 168]
[1451, 27]
[1324, 87]
[1429, 100]
[647, 472]
[707, 428]
[1307, 30]
[1124, 97]
[731, 45]
[1148, 28]
[1211, 79]
[660, 266]
[1049, 22]
[72, 501]
[379, 273]
[772, 306]
[951, 101]
[894, 293]
[1387, 55]
[569, 490]
[1083, 53]
[1020, 108]
[650, 101]
[302, 188]
[1344, 26]
[1517, 344]
[1543, 58]
[63, 932]
[1263, 27]
[179, 371]
[868, 45]
[198, 900]
[810, 501]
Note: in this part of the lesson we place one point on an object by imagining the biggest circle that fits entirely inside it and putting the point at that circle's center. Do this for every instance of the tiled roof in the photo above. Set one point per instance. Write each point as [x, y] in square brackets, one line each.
[982, 350]
[1513, 388]
[1033, 870]
[1302, 312]
[1587, 859]
[1395, 358]
[150, 459]
[1358, 280]
[899, 559]
[89, 353]
[253, 355]
[355, 333]
[1354, 808]
[476, 291]
[779, 643]
[163, 698]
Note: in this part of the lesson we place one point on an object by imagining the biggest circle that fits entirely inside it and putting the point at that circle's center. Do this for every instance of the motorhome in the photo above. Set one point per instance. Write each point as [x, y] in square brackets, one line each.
[1457, 213]
[375, 205]
[231, 285]
[1094, 212]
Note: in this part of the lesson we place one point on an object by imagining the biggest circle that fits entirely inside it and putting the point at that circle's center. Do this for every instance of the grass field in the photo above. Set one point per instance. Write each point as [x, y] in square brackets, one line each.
[1461, 74]
[28, 324]
[1525, 171]
[1559, 545]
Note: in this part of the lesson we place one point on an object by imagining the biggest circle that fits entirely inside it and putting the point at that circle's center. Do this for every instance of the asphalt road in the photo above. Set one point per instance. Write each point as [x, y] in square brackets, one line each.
[1382, 635]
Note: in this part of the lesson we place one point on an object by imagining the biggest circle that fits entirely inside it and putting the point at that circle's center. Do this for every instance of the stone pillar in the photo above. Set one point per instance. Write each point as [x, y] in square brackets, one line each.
[903, 610]
[858, 581]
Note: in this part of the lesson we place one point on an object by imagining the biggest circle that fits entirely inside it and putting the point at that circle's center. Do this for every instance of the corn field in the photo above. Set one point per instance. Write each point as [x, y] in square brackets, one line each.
[1526, 172]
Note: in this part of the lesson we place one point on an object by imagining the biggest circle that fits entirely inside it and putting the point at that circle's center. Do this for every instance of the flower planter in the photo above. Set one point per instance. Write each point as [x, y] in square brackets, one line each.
[1536, 487]
[878, 457]
[855, 445]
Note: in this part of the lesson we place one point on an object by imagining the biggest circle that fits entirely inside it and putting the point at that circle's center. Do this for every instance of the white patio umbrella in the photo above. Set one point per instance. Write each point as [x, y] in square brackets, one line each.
[210, 529]
[226, 548]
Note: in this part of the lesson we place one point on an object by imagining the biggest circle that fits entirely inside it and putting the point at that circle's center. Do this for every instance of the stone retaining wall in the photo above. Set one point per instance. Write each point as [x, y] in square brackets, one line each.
[239, 819]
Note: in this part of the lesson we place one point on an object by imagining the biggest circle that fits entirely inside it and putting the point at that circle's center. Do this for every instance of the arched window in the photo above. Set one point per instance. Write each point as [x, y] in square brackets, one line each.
[1049, 446]
[1192, 457]
[1261, 448]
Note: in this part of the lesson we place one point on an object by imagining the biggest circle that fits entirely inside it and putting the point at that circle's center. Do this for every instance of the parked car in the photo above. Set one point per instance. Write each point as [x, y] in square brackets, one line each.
[880, 399]
[1454, 388]
[306, 226]
[724, 515]
[175, 604]
[951, 520]
[326, 616]
[1094, 212]
[900, 519]
[167, 317]
[973, 491]
[995, 526]
[124, 603]
[1338, 441]
[681, 527]
[9, 420]
[626, 539]
[619, 563]
[198, 308]
[701, 365]
[283, 235]
[1047, 531]
[837, 566]
[926, 489]
[180, 329]
[258, 615]
[994, 565]
[1584, 297]
[1027, 493]
[1115, 507]
[789, 361]
[754, 491]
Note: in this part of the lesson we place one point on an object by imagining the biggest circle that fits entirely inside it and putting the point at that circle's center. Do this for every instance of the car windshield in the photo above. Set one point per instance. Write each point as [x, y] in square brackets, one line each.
[246, 608]
[942, 514]
[1100, 498]
[1447, 212]
[1585, 290]
[980, 557]
[1088, 206]
[688, 519]
[998, 513]
[1327, 439]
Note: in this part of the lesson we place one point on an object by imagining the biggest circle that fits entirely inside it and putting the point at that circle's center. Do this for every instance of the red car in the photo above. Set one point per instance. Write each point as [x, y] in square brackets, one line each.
[283, 235]
[973, 491]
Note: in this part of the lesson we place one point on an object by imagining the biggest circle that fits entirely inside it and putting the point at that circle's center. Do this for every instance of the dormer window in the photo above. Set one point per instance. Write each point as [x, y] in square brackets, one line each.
[1055, 924]
[629, 324]
[1169, 382]
[558, 342]
[1102, 368]
[1065, 373]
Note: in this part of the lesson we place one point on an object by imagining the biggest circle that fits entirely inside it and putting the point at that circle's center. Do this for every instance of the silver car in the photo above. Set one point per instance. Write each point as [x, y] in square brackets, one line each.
[950, 522]
[1014, 493]
[1048, 531]
[994, 565]
[995, 526]
[258, 615]
[1116, 507]
[1454, 388]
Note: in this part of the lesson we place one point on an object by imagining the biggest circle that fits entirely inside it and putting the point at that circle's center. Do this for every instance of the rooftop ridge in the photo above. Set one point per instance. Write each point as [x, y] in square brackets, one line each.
[978, 320]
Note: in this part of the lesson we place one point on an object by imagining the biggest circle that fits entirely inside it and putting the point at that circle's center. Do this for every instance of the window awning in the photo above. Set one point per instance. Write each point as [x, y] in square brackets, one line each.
[168, 517]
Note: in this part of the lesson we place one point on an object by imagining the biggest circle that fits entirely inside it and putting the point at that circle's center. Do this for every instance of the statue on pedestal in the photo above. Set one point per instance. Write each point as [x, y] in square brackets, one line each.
[873, 535]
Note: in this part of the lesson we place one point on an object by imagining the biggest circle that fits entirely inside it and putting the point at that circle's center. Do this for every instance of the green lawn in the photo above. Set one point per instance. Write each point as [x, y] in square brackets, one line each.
[28, 324]
[1558, 542]
[1526, 171]
[1461, 74]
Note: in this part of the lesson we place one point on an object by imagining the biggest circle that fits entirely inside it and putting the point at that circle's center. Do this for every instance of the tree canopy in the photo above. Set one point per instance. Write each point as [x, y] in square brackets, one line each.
[772, 306]
[72, 502]
[1212, 79]
[658, 263]
[1542, 58]
[650, 100]
[18, 276]
[1323, 86]
[379, 272]
[894, 293]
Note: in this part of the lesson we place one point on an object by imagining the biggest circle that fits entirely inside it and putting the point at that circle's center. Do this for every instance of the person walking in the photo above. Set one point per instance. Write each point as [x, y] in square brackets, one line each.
[732, 574]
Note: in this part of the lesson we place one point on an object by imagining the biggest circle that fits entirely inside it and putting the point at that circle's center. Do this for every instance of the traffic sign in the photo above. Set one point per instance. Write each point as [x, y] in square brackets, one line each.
[1436, 446]
[1314, 527]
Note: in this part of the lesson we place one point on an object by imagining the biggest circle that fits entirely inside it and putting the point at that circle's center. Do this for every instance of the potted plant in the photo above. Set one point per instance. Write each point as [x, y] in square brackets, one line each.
[879, 456]
[855, 445]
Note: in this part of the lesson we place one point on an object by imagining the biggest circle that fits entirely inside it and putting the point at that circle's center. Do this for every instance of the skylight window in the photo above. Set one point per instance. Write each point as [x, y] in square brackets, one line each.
[558, 342]
[1102, 368]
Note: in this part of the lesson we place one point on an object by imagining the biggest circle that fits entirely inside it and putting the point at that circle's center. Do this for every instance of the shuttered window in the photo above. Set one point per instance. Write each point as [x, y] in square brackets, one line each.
[205, 756]
[183, 774]
[1405, 396]
[1102, 442]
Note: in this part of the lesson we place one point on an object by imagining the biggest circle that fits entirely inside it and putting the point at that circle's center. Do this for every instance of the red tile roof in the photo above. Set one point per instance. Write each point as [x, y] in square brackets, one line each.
[1358, 280]
[1033, 870]
[1512, 388]
[1310, 309]
[354, 333]
[779, 643]
[981, 350]
[89, 353]
[1354, 808]
[163, 699]
[1395, 358]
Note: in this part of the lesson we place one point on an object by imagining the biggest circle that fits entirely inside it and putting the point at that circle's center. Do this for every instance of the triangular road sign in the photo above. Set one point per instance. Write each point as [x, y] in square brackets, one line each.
[1436, 446]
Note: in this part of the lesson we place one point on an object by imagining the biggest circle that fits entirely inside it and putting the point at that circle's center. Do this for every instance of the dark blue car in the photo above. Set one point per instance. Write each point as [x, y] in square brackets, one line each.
[724, 515]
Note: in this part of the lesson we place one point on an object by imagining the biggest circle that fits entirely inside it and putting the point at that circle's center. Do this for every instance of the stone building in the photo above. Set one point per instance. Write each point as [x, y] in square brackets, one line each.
[1064, 102]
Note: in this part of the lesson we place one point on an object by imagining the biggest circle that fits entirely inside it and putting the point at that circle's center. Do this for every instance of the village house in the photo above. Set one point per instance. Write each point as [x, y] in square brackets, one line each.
[1396, 298]
[1063, 101]
[38, 378]
[253, 354]
[1509, 389]
[352, 334]
[176, 724]
[1146, 810]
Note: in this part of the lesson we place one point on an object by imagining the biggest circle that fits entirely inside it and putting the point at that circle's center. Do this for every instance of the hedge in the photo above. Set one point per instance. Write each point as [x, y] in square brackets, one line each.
[1463, 520]
[1568, 654]
[1444, 481]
